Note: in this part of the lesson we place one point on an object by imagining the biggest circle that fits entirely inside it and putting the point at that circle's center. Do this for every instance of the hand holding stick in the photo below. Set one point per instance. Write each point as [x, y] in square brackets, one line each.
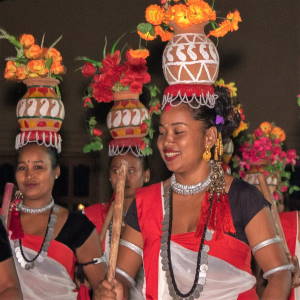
[117, 220]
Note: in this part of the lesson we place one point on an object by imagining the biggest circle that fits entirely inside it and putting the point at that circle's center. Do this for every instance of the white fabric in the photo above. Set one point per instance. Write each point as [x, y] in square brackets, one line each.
[223, 281]
[48, 280]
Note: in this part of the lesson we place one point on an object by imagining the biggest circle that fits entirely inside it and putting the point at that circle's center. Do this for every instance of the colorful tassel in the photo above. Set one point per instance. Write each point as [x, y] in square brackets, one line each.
[15, 226]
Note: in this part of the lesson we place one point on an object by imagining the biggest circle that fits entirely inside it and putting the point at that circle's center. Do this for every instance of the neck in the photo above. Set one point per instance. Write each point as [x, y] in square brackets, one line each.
[37, 203]
[127, 202]
[194, 176]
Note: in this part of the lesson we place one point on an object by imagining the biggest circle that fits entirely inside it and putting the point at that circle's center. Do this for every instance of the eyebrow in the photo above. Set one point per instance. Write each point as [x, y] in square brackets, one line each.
[35, 162]
[175, 124]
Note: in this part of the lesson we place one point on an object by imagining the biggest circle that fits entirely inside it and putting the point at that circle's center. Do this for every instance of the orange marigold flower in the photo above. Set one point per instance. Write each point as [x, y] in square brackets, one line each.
[37, 67]
[146, 36]
[54, 54]
[154, 14]
[234, 19]
[180, 15]
[57, 68]
[278, 133]
[21, 73]
[139, 53]
[165, 35]
[27, 40]
[33, 52]
[196, 14]
[222, 30]
[266, 127]
[10, 70]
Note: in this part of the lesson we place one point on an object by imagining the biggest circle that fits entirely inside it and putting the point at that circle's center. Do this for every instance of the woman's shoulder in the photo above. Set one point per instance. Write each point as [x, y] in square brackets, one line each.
[152, 188]
[96, 213]
[241, 187]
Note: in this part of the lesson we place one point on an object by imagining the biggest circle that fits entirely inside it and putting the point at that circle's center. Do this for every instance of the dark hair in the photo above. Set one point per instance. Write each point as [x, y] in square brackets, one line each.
[51, 151]
[144, 160]
[224, 108]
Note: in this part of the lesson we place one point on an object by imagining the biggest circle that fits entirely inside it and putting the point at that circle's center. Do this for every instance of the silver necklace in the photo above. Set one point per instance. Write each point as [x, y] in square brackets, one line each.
[165, 254]
[185, 189]
[31, 210]
[29, 263]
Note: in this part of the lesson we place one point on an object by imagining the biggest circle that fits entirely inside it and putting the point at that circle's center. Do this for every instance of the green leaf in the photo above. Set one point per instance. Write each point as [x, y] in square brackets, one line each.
[48, 63]
[92, 121]
[92, 61]
[146, 28]
[115, 44]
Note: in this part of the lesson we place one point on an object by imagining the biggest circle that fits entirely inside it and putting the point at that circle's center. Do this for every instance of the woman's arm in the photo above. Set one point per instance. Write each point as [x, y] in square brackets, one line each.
[9, 283]
[262, 228]
[88, 251]
[128, 264]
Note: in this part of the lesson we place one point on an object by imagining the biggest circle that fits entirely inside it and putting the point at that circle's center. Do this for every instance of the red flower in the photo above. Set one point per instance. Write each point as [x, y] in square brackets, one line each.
[110, 61]
[144, 127]
[97, 132]
[87, 102]
[88, 69]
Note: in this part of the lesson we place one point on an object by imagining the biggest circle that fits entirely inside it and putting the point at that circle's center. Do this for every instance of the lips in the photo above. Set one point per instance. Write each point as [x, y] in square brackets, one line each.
[170, 154]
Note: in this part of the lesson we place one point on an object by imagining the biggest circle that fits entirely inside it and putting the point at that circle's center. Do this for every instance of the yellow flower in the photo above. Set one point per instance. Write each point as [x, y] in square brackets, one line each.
[230, 86]
[139, 53]
[27, 40]
[146, 36]
[278, 133]
[154, 14]
[33, 52]
[243, 126]
[196, 14]
[266, 127]
[234, 19]
[180, 15]
[165, 35]
[37, 67]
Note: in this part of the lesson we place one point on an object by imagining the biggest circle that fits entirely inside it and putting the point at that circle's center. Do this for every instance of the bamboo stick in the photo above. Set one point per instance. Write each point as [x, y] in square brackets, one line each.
[7, 196]
[269, 197]
[117, 220]
[106, 222]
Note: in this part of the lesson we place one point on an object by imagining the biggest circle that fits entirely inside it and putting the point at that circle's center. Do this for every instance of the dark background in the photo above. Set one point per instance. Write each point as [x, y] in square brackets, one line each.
[262, 58]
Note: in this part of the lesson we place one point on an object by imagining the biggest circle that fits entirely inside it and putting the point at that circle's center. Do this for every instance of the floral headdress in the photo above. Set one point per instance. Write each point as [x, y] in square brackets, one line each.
[40, 112]
[112, 79]
[183, 13]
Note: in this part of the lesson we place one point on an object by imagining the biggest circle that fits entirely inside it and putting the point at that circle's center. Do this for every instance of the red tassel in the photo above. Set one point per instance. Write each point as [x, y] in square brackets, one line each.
[204, 210]
[83, 293]
[15, 226]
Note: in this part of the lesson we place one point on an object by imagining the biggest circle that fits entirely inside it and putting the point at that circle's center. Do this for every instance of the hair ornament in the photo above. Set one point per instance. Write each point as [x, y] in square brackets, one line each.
[219, 120]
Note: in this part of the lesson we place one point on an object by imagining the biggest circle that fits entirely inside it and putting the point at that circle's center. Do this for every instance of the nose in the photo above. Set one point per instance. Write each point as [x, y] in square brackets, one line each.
[28, 174]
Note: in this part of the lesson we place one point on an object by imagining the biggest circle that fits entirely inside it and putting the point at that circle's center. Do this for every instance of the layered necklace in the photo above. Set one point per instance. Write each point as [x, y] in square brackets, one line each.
[217, 183]
[29, 263]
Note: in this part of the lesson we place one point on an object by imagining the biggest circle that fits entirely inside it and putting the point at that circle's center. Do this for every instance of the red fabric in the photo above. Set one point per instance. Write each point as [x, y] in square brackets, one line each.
[58, 251]
[249, 295]
[189, 89]
[149, 209]
[96, 213]
[83, 293]
[289, 222]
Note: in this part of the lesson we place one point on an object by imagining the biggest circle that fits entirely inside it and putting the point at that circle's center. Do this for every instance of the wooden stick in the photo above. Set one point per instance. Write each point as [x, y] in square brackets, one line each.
[7, 196]
[106, 223]
[269, 197]
[117, 220]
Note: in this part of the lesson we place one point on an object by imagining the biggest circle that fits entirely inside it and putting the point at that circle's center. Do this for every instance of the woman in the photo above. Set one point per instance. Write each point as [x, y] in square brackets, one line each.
[137, 175]
[9, 283]
[47, 239]
[197, 229]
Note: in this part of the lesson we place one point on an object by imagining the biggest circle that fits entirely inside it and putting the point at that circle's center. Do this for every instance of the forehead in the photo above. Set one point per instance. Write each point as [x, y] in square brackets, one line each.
[178, 114]
[33, 153]
[132, 160]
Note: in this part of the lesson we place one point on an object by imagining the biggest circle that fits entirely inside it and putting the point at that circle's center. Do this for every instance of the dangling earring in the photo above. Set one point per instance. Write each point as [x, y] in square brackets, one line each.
[18, 195]
[206, 155]
[218, 148]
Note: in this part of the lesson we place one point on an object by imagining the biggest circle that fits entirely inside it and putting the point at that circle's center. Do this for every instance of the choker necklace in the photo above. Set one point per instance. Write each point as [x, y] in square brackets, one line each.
[166, 259]
[31, 210]
[28, 263]
[184, 189]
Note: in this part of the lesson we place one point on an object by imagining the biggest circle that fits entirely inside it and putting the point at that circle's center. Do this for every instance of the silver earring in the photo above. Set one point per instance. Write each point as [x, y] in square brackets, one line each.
[18, 195]
[56, 176]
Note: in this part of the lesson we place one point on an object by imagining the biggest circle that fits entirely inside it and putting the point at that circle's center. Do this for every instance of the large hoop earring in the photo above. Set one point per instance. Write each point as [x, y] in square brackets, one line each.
[207, 154]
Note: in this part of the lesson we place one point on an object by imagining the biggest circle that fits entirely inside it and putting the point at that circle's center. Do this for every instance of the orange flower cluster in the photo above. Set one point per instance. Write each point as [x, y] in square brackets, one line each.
[162, 19]
[33, 60]
[274, 131]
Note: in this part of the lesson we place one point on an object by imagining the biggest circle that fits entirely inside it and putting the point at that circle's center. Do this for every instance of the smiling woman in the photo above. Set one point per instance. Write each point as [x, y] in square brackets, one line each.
[46, 238]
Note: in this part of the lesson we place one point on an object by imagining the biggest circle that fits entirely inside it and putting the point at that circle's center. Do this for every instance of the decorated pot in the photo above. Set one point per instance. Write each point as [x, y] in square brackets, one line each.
[190, 57]
[127, 116]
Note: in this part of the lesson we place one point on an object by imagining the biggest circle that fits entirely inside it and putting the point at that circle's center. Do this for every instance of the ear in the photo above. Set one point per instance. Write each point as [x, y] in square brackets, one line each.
[146, 176]
[57, 172]
[211, 136]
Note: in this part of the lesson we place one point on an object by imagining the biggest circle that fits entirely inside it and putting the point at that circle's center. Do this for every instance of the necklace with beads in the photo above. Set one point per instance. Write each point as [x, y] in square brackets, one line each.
[29, 263]
[32, 210]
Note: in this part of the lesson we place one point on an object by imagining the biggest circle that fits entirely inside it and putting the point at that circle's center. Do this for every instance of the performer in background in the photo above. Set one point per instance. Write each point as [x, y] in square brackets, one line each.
[9, 283]
[197, 229]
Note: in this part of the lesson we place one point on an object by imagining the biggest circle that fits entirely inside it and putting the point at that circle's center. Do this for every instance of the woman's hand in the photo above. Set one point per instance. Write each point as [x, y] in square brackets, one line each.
[109, 291]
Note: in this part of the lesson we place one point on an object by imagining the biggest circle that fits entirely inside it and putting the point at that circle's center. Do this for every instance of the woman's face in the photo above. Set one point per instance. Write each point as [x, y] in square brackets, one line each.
[34, 174]
[136, 175]
[181, 140]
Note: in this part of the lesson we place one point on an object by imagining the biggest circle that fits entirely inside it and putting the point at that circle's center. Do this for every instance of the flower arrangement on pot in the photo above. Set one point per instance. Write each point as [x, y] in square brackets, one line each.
[264, 151]
[120, 78]
[161, 19]
[32, 60]
[40, 112]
